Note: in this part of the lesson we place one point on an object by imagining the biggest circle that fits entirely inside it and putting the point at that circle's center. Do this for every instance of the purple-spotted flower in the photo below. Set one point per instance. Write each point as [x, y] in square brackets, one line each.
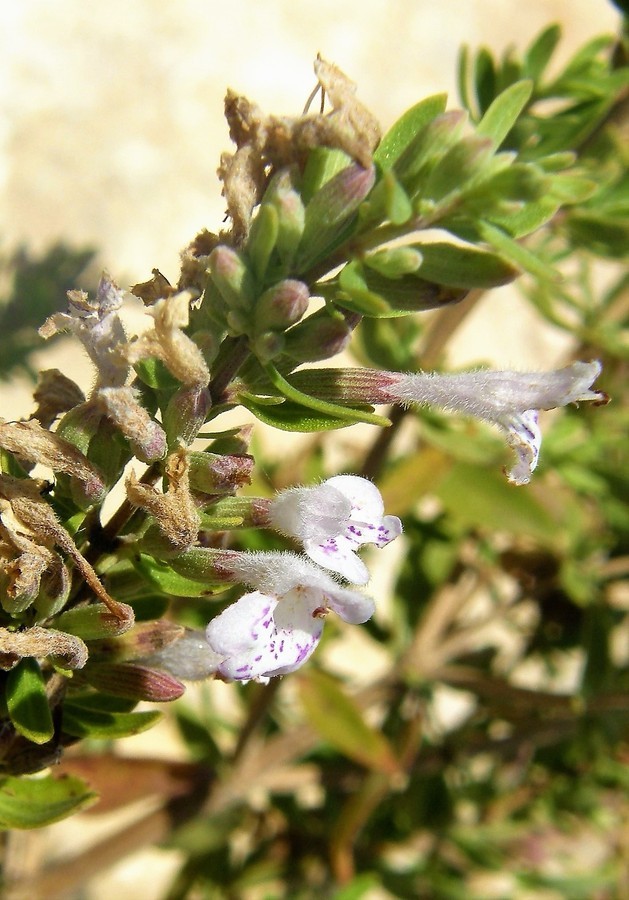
[274, 630]
[333, 520]
[511, 400]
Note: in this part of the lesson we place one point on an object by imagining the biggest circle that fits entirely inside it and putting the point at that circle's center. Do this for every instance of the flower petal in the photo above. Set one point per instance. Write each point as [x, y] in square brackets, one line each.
[525, 437]
[337, 554]
[353, 607]
[261, 636]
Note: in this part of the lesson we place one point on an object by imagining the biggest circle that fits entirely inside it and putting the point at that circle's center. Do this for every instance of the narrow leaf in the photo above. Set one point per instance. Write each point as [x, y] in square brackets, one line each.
[540, 51]
[27, 702]
[82, 721]
[504, 111]
[464, 267]
[399, 136]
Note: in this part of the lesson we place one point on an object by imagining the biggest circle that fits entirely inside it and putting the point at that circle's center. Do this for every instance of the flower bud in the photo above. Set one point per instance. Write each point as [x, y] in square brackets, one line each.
[232, 277]
[188, 657]
[329, 211]
[185, 414]
[134, 681]
[211, 473]
[268, 345]
[291, 214]
[282, 305]
[320, 336]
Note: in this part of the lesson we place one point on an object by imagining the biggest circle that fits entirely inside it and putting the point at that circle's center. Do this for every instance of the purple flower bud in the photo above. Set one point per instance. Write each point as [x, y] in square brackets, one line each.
[282, 305]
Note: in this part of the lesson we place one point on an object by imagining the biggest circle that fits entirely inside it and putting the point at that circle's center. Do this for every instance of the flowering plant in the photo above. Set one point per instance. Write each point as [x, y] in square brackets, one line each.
[330, 246]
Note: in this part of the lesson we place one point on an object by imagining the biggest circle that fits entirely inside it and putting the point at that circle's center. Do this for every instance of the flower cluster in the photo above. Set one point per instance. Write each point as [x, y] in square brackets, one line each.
[274, 629]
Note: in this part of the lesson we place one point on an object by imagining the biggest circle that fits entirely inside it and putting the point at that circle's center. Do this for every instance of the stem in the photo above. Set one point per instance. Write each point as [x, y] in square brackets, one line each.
[233, 353]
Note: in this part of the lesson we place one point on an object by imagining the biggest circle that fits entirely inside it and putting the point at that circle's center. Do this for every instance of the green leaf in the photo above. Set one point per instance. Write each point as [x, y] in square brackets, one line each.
[599, 234]
[462, 162]
[27, 702]
[517, 253]
[397, 205]
[323, 164]
[84, 721]
[504, 111]
[35, 802]
[540, 51]
[402, 132]
[161, 576]
[427, 147]
[288, 416]
[464, 267]
[484, 75]
[338, 720]
[155, 375]
[376, 296]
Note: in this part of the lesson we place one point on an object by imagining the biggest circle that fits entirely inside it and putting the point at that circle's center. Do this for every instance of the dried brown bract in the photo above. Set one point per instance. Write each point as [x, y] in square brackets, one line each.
[268, 143]
[55, 394]
[174, 512]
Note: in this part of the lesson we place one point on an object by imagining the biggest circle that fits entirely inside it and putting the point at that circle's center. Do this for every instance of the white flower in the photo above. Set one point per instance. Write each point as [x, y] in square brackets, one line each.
[511, 400]
[274, 630]
[333, 520]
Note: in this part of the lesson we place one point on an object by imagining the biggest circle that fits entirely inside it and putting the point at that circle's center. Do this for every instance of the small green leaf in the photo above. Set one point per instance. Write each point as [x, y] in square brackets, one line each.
[427, 147]
[323, 164]
[161, 576]
[375, 296]
[338, 720]
[155, 375]
[83, 721]
[402, 132]
[465, 160]
[540, 51]
[464, 267]
[293, 417]
[484, 75]
[504, 111]
[517, 253]
[35, 802]
[397, 205]
[363, 300]
[27, 702]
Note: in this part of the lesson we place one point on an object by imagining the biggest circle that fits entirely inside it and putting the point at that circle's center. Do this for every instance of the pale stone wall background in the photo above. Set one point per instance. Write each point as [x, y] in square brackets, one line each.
[111, 128]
